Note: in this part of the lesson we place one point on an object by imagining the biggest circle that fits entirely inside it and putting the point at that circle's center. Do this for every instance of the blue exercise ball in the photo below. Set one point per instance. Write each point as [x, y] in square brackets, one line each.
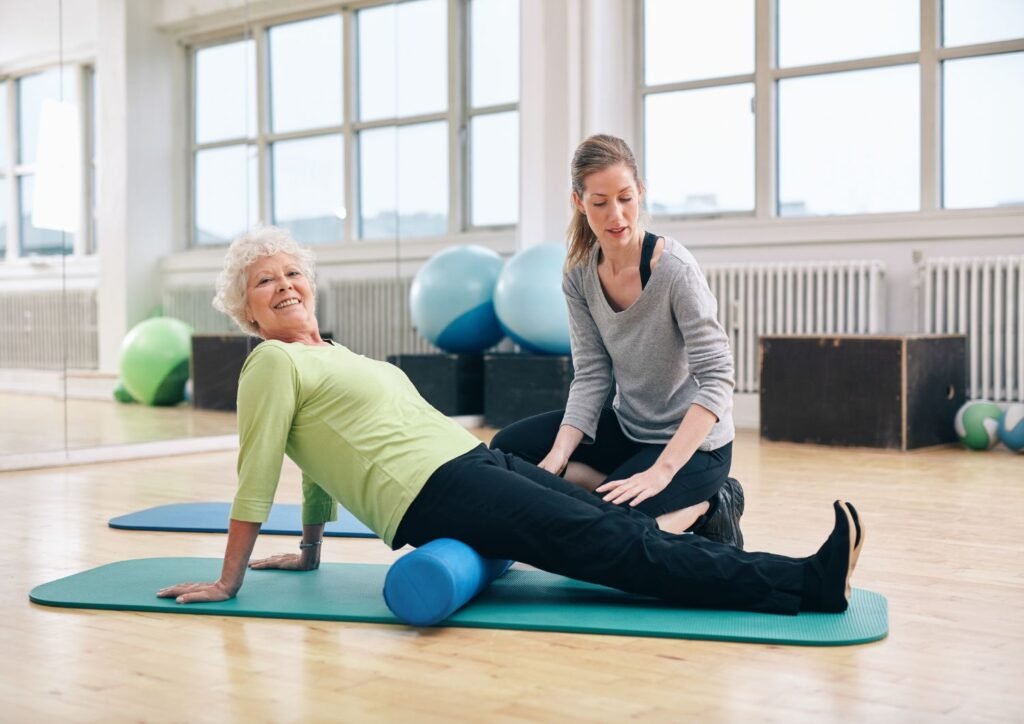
[1011, 427]
[452, 299]
[529, 301]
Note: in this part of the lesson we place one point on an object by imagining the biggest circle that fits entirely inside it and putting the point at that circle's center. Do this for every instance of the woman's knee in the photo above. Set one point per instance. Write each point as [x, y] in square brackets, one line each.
[530, 438]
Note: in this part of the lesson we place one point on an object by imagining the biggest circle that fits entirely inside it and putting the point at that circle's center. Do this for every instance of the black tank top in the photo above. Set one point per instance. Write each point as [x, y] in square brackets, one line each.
[646, 254]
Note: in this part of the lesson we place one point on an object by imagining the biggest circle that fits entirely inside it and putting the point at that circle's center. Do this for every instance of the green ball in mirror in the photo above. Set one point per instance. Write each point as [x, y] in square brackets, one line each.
[155, 361]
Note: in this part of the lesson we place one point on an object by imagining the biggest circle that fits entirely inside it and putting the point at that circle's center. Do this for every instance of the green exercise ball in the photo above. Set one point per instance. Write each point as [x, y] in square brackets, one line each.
[976, 424]
[154, 361]
[121, 394]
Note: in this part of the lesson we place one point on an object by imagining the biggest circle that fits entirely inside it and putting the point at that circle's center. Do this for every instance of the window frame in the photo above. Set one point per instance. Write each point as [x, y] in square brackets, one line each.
[929, 57]
[84, 241]
[457, 115]
[469, 112]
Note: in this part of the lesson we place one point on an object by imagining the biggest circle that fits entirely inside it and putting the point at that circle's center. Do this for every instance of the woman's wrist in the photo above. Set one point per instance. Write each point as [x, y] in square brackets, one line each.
[230, 588]
[665, 468]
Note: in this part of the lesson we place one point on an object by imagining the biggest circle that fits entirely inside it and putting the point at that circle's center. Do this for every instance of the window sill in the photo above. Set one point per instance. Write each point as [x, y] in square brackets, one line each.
[733, 231]
[376, 251]
[76, 272]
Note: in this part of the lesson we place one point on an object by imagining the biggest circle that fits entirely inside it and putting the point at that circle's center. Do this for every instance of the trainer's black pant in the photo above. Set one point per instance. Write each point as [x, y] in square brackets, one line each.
[506, 508]
[619, 458]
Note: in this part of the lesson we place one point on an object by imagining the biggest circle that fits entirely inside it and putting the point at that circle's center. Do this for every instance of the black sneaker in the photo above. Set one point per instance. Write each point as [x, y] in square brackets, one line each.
[723, 525]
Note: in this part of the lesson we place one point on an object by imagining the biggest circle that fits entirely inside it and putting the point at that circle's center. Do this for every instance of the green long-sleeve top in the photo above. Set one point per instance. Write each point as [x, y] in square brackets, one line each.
[357, 428]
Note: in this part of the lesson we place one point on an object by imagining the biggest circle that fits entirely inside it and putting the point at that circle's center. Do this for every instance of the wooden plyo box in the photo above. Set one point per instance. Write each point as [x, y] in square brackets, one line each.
[887, 391]
[453, 383]
[217, 361]
[519, 385]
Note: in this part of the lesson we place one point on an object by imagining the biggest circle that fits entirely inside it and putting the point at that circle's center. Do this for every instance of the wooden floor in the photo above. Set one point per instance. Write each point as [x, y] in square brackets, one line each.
[944, 544]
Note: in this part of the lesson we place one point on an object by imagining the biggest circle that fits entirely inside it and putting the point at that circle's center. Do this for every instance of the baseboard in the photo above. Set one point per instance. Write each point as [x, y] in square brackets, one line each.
[75, 384]
[111, 453]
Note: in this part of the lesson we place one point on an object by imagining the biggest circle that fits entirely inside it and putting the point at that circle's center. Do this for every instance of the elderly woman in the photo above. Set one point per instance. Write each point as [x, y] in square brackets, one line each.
[363, 437]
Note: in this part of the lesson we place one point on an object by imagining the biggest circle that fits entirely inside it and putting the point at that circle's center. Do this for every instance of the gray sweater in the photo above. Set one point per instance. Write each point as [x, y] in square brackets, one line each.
[664, 353]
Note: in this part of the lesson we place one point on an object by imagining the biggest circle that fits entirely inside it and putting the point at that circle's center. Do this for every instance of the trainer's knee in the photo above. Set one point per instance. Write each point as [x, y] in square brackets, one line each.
[500, 440]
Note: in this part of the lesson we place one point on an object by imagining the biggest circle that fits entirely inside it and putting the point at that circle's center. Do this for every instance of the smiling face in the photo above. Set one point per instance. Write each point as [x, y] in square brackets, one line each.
[280, 299]
[611, 203]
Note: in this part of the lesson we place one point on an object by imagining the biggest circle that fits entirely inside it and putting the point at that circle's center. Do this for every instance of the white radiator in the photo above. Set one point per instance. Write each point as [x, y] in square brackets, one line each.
[982, 298]
[846, 297]
[49, 330]
[371, 317]
[194, 304]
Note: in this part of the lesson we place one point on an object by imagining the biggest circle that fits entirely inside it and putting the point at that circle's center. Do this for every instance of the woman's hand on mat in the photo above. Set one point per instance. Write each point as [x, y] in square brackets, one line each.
[287, 562]
[635, 489]
[198, 592]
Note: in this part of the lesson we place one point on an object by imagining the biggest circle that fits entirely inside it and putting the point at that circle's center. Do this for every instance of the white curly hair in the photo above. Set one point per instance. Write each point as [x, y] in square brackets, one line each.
[244, 250]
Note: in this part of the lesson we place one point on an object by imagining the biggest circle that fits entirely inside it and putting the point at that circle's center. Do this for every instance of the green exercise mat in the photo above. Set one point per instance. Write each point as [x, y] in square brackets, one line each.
[521, 599]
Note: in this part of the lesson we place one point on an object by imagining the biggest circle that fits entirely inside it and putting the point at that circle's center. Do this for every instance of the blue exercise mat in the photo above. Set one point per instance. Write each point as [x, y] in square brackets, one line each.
[213, 518]
[521, 599]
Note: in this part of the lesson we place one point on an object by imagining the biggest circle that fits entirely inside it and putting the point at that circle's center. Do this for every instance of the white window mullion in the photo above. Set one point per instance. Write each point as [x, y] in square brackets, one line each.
[457, 120]
[765, 118]
[640, 84]
[264, 208]
[14, 212]
[931, 106]
[348, 80]
[84, 225]
[190, 174]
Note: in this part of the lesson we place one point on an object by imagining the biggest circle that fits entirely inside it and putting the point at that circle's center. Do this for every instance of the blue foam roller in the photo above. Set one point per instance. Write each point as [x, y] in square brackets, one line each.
[428, 585]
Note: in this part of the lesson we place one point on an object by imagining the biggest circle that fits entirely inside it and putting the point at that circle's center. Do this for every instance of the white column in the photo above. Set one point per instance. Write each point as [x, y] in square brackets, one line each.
[578, 77]
[550, 123]
[610, 69]
[141, 162]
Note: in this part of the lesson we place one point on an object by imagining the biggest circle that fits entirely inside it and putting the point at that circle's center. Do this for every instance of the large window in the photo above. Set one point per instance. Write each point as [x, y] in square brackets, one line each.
[493, 112]
[829, 107]
[698, 106]
[348, 126]
[31, 106]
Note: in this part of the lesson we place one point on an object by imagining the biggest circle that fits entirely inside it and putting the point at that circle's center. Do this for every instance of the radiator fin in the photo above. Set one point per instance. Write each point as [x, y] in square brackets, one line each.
[980, 297]
[793, 298]
[371, 317]
[39, 333]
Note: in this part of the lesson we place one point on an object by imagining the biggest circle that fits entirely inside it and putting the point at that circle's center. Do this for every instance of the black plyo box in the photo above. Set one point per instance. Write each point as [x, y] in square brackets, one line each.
[453, 383]
[520, 385]
[886, 391]
[217, 361]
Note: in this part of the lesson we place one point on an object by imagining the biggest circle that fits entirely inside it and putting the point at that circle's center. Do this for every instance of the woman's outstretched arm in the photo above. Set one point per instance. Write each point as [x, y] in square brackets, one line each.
[241, 539]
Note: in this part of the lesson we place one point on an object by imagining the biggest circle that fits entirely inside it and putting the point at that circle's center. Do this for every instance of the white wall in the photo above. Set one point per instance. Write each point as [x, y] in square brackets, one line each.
[578, 77]
[29, 32]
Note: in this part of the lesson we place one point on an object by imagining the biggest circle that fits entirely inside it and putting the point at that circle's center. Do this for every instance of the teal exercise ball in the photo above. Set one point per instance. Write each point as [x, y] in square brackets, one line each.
[451, 300]
[529, 300]
[155, 361]
[976, 424]
[1011, 427]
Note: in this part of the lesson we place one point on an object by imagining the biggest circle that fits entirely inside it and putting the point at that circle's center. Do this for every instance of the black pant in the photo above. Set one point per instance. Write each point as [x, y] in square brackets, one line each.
[618, 457]
[506, 508]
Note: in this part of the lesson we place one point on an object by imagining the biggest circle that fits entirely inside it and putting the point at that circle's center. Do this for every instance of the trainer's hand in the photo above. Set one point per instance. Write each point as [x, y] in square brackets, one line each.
[286, 562]
[197, 592]
[554, 462]
[635, 489]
